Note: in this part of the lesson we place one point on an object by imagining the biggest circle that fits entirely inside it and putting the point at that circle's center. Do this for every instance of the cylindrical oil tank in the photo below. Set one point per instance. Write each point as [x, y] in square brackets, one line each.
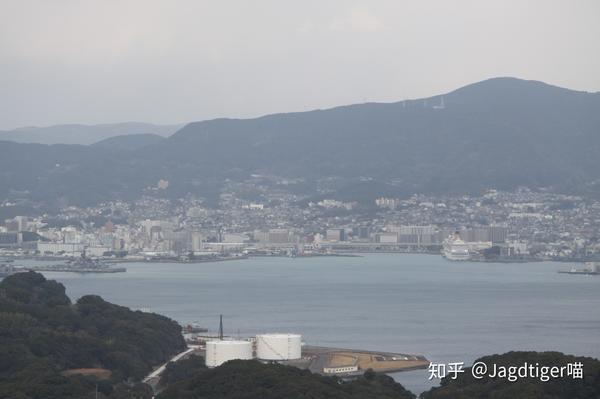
[219, 352]
[278, 346]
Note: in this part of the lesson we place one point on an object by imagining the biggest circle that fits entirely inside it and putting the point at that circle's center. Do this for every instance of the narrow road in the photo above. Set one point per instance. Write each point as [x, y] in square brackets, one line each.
[157, 372]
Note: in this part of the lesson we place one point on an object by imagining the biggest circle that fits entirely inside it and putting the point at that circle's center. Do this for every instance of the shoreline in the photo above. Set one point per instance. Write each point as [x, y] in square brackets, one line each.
[348, 254]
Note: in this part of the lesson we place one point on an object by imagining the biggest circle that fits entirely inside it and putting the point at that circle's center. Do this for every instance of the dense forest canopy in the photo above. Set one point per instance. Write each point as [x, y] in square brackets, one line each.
[467, 387]
[249, 379]
[253, 380]
[44, 335]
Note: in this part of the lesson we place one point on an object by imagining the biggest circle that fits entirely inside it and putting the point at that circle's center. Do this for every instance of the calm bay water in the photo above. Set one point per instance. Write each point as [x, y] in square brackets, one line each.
[449, 312]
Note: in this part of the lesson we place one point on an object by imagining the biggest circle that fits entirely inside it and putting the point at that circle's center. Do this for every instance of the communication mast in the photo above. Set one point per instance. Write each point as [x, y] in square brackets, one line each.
[221, 327]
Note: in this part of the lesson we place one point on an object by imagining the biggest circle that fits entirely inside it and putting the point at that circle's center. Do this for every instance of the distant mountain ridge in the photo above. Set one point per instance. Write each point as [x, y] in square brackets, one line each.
[84, 134]
[130, 141]
[501, 133]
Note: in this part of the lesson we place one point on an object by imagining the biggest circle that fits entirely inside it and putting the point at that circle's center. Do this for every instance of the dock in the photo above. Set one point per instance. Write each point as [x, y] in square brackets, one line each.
[348, 362]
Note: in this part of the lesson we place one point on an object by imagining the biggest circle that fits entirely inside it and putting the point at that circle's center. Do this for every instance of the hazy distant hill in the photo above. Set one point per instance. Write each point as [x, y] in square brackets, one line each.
[501, 133]
[83, 134]
[130, 141]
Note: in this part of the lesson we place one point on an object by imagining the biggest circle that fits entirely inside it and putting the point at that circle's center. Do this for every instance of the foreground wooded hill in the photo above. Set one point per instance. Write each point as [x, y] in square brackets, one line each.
[243, 379]
[252, 380]
[467, 387]
[44, 338]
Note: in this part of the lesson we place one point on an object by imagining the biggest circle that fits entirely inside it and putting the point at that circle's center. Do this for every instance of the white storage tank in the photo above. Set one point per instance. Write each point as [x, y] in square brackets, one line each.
[219, 352]
[278, 346]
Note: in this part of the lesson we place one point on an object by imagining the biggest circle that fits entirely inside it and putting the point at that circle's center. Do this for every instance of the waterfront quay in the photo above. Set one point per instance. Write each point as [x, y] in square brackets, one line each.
[348, 362]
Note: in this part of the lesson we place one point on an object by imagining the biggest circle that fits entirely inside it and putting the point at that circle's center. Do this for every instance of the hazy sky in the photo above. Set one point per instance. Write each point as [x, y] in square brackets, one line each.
[77, 61]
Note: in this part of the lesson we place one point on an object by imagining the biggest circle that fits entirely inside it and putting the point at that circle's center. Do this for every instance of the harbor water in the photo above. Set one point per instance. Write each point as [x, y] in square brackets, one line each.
[423, 304]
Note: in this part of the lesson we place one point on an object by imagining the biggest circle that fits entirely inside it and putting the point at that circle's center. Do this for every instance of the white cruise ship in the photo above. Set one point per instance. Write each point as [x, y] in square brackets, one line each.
[454, 248]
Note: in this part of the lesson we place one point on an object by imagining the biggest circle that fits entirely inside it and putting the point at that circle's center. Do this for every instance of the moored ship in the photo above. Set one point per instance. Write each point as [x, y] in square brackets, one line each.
[80, 265]
[454, 248]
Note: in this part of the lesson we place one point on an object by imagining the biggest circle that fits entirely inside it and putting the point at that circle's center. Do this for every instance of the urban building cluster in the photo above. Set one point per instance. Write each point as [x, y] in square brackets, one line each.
[520, 225]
